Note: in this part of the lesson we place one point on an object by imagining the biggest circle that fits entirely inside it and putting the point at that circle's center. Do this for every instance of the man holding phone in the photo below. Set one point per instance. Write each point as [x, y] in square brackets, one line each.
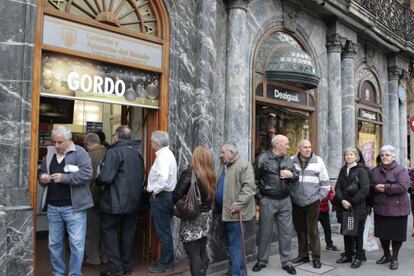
[65, 173]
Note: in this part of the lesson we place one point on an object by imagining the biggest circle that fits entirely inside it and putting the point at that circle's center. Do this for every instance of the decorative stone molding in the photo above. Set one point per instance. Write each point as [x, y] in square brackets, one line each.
[394, 72]
[367, 74]
[333, 43]
[237, 4]
[289, 16]
[349, 50]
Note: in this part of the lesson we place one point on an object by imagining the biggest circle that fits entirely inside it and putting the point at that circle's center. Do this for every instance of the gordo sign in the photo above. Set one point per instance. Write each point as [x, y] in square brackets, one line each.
[95, 84]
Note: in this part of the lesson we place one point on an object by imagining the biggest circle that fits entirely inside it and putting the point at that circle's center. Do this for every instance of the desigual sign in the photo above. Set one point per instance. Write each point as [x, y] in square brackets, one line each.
[368, 115]
[286, 95]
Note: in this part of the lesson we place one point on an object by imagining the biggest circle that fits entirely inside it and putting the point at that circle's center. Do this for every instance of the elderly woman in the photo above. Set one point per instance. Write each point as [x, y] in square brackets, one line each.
[351, 190]
[391, 204]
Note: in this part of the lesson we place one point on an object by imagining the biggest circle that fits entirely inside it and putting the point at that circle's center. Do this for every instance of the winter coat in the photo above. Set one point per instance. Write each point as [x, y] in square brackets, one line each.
[182, 187]
[313, 183]
[122, 176]
[97, 154]
[267, 175]
[324, 206]
[357, 200]
[78, 181]
[394, 201]
[239, 190]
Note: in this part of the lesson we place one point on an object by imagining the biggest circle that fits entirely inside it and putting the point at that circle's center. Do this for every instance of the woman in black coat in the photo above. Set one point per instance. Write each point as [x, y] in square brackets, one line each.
[193, 233]
[351, 190]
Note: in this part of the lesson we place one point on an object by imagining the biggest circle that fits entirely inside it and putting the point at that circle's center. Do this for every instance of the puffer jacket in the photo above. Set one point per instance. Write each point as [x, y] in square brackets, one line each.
[122, 175]
[267, 175]
[183, 185]
[357, 200]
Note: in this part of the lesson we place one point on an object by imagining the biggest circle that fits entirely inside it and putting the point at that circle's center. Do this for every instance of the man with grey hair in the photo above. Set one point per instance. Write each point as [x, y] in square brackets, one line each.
[162, 179]
[95, 253]
[312, 186]
[65, 173]
[122, 177]
[275, 175]
[235, 199]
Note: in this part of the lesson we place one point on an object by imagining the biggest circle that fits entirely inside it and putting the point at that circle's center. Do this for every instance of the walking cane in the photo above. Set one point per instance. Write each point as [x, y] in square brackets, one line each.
[242, 240]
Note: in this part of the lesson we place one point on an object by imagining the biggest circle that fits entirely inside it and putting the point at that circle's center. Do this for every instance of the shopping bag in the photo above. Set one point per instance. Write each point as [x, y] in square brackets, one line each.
[370, 242]
[349, 226]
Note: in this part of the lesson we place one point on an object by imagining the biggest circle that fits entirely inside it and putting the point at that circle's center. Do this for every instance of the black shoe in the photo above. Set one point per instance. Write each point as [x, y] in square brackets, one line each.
[344, 259]
[394, 265]
[111, 273]
[159, 268]
[258, 266]
[289, 269]
[332, 247]
[384, 260]
[299, 259]
[356, 263]
[316, 264]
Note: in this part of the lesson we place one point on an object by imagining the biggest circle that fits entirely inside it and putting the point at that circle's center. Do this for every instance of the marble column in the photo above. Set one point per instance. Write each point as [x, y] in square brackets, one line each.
[394, 126]
[333, 46]
[238, 98]
[348, 96]
[403, 125]
[3, 241]
[204, 80]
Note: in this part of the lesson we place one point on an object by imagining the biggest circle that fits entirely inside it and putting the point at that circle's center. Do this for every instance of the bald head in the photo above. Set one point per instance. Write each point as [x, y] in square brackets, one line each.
[304, 148]
[280, 144]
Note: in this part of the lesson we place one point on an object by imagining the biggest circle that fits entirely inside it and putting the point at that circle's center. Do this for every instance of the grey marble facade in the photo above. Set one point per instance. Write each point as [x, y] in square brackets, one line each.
[16, 59]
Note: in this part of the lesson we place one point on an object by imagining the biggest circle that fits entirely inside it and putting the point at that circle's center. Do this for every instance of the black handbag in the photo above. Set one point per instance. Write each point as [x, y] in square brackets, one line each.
[188, 207]
[350, 223]
[353, 188]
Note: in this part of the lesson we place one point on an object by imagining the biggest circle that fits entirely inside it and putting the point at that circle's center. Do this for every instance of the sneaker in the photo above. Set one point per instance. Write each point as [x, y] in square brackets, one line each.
[159, 268]
[332, 247]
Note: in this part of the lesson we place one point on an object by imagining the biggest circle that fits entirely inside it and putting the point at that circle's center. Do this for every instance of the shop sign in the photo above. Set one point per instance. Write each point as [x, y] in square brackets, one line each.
[80, 79]
[368, 115]
[412, 123]
[93, 126]
[285, 95]
[74, 36]
[402, 95]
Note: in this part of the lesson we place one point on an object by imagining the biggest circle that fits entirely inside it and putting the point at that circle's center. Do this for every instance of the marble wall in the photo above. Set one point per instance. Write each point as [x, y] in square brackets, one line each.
[16, 59]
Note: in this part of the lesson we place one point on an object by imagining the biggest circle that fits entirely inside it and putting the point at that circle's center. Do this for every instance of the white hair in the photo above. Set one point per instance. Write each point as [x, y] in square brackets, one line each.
[66, 132]
[160, 138]
[230, 147]
[390, 149]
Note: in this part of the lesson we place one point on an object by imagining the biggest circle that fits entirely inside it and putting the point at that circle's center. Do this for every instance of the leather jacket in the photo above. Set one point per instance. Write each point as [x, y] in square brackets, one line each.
[267, 167]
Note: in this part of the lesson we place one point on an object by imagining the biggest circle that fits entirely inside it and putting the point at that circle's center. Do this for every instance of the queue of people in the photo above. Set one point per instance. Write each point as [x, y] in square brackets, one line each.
[95, 198]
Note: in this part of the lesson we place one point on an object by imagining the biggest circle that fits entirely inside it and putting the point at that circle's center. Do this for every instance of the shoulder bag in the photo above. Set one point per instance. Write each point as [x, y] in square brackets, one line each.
[188, 207]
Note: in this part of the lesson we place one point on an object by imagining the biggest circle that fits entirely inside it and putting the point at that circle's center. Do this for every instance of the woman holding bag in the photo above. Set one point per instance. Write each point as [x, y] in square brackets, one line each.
[193, 233]
[351, 189]
[391, 205]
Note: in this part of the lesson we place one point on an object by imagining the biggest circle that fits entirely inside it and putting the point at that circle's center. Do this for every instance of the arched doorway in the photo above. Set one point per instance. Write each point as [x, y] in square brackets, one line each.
[99, 64]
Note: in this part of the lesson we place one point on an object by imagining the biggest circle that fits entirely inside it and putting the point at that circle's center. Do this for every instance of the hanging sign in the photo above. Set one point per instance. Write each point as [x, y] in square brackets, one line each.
[412, 123]
[286, 95]
[80, 79]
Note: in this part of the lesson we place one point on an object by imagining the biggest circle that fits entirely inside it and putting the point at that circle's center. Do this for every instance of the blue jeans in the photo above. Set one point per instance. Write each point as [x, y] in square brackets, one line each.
[235, 248]
[161, 212]
[61, 218]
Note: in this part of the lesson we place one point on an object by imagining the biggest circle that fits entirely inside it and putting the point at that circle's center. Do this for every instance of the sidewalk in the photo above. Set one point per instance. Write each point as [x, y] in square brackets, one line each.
[330, 268]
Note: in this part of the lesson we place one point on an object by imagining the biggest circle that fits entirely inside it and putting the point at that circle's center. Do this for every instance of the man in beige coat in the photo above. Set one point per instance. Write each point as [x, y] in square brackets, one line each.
[235, 197]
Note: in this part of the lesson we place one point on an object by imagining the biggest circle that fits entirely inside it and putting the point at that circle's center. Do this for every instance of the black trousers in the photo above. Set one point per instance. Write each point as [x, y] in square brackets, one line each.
[197, 254]
[358, 241]
[119, 249]
[326, 225]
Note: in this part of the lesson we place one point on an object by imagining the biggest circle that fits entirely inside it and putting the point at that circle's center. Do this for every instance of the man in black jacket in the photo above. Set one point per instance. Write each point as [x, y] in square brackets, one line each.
[122, 175]
[275, 174]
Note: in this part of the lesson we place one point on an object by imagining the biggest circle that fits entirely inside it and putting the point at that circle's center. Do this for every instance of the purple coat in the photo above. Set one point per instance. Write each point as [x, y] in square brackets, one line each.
[394, 201]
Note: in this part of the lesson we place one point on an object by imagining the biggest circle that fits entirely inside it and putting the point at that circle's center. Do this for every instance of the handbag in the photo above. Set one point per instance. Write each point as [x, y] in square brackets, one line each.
[353, 188]
[370, 243]
[350, 221]
[188, 207]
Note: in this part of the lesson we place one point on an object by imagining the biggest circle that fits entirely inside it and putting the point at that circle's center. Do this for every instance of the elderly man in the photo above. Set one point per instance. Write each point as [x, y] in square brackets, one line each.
[235, 199]
[65, 173]
[122, 176]
[161, 183]
[312, 186]
[95, 253]
[275, 175]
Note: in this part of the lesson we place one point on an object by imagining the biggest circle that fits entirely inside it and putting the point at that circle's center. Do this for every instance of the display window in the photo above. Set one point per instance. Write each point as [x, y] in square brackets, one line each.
[368, 115]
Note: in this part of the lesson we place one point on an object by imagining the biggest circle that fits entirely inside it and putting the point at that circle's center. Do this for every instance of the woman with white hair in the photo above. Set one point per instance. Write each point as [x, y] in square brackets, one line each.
[391, 204]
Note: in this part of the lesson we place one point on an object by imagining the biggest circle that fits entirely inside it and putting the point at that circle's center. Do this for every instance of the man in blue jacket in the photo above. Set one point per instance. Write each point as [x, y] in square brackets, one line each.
[122, 176]
[65, 173]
